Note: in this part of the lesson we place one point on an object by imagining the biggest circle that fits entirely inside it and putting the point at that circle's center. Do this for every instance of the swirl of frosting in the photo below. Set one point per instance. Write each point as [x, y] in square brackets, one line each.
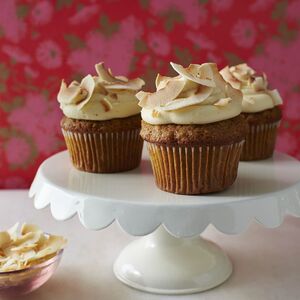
[198, 95]
[256, 95]
[102, 97]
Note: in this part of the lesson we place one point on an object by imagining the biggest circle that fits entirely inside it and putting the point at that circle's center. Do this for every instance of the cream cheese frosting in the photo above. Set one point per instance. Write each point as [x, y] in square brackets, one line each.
[198, 95]
[256, 95]
[99, 98]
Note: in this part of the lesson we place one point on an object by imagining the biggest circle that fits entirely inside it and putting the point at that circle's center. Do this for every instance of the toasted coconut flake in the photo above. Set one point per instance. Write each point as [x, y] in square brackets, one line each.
[8, 253]
[3, 259]
[75, 93]
[13, 231]
[142, 97]
[242, 76]
[41, 241]
[106, 105]
[185, 102]
[111, 82]
[234, 94]
[74, 83]
[192, 86]
[99, 88]
[265, 77]
[133, 84]
[52, 246]
[21, 252]
[28, 255]
[223, 102]
[161, 81]
[72, 94]
[259, 84]
[226, 74]
[9, 265]
[188, 89]
[26, 228]
[110, 71]
[163, 96]
[5, 239]
[201, 74]
[242, 71]
[28, 238]
[104, 75]
[122, 78]
[23, 248]
[277, 100]
[87, 84]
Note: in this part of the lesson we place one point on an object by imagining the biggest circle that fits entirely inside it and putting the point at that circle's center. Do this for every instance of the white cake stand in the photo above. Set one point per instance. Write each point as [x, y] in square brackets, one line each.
[172, 258]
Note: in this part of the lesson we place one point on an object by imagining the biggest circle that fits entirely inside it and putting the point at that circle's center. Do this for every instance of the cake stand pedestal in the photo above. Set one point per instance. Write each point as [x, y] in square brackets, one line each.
[163, 264]
[171, 258]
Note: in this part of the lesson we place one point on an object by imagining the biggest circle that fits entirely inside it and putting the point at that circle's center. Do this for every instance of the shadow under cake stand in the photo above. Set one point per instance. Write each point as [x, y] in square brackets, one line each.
[171, 258]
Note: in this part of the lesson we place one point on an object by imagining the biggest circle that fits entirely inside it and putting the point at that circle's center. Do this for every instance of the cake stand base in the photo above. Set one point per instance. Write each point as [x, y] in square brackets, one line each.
[163, 264]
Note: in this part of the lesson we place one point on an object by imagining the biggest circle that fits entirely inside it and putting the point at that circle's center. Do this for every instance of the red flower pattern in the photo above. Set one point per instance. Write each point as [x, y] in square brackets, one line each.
[45, 41]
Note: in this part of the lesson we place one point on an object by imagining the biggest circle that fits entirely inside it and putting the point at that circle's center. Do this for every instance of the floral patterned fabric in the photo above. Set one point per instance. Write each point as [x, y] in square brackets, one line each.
[42, 42]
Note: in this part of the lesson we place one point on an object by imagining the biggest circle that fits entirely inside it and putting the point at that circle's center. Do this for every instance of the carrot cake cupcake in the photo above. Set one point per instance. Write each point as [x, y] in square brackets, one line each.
[260, 109]
[102, 122]
[194, 130]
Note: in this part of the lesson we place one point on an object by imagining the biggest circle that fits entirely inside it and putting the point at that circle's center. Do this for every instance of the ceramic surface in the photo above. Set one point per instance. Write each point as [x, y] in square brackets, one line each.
[264, 190]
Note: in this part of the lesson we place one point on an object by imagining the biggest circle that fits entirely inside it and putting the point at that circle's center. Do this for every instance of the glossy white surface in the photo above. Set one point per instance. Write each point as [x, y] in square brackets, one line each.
[266, 261]
[264, 190]
[160, 263]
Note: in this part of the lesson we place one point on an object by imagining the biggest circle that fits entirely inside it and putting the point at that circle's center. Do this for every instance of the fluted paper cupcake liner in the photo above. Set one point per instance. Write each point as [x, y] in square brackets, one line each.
[104, 152]
[194, 169]
[260, 141]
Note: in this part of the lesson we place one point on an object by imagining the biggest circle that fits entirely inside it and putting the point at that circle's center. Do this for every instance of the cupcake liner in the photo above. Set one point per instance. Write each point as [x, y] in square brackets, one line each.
[260, 141]
[194, 169]
[104, 152]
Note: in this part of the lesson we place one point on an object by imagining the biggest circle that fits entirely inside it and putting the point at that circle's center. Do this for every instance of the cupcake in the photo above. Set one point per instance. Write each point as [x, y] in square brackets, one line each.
[194, 130]
[102, 122]
[260, 109]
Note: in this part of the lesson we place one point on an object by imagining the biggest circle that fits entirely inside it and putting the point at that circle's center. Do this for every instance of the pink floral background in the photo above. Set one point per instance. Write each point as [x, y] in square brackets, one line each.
[42, 42]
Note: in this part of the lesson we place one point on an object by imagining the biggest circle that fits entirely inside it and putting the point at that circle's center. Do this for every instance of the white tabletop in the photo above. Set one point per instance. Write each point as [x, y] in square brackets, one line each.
[266, 261]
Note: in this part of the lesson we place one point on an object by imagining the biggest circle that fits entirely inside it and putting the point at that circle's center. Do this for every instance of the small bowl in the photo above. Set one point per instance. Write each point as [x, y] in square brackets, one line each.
[24, 281]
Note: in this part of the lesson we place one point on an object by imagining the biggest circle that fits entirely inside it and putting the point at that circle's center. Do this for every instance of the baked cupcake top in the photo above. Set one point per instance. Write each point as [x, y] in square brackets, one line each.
[256, 95]
[99, 98]
[198, 95]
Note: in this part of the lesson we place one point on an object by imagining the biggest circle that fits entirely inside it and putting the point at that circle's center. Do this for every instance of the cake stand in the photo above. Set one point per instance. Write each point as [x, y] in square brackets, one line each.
[171, 258]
